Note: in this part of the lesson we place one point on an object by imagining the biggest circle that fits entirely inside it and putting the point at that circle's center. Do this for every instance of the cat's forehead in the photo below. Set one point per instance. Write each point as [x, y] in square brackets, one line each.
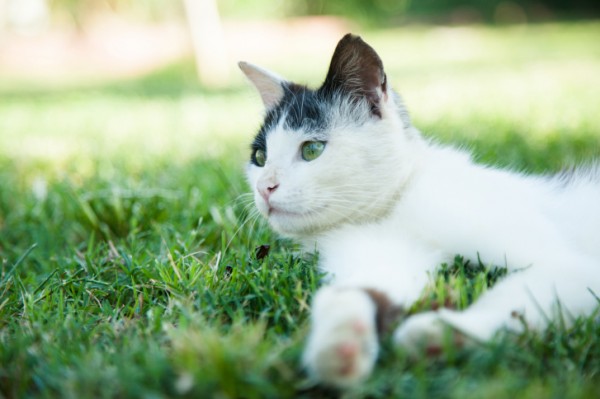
[303, 108]
[300, 110]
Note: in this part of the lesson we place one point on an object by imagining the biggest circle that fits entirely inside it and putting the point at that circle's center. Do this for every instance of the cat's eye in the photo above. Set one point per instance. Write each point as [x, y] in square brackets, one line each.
[311, 150]
[260, 157]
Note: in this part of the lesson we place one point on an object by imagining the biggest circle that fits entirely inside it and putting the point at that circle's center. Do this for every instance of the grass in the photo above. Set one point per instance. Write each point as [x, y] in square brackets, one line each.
[127, 268]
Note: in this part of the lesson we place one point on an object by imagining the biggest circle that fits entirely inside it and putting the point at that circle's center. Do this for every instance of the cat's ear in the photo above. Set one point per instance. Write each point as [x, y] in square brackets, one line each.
[356, 70]
[269, 85]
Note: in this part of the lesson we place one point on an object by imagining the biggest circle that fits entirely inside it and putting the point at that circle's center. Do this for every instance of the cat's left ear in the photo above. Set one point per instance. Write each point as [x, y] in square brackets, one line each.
[357, 71]
[269, 85]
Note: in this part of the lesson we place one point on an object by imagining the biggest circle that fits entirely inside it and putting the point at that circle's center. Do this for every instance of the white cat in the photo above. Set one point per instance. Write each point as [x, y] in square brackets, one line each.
[342, 169]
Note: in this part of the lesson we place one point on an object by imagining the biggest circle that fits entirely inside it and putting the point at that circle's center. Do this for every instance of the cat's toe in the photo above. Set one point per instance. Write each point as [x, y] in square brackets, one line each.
[344, 358]
[423, 334]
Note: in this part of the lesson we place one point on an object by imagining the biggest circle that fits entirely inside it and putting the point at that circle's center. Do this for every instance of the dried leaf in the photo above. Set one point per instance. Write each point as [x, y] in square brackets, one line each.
[262, 251]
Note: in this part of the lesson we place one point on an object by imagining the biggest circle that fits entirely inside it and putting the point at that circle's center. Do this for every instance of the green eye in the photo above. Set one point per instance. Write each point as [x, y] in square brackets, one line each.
[312, 149]
[260, 157]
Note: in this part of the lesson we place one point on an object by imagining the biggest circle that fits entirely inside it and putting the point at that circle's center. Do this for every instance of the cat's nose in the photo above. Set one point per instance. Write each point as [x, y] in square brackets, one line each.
[266, 191]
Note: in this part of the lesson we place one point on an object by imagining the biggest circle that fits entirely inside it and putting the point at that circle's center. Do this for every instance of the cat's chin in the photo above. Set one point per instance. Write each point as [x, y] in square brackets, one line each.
[291, 224]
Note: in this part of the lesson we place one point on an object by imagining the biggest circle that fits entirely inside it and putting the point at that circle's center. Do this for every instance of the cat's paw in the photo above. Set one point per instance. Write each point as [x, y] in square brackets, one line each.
[420, 334]
[430, 332]
[342, 346]
[425, 334]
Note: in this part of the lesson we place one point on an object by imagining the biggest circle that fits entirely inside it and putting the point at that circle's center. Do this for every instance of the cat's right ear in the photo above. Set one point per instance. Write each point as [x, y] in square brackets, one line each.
[269, 85]
[357, 71]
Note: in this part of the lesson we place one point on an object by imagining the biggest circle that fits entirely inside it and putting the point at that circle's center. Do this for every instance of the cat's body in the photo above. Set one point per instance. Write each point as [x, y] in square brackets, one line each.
[384, 207]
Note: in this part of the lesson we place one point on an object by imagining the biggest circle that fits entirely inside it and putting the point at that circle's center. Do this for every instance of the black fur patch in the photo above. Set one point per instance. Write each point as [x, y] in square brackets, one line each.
[301, 107]
[355, 78]
[357, 71]
[304, 109]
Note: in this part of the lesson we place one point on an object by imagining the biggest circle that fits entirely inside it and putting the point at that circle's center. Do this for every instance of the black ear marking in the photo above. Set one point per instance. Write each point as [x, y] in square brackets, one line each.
[356, 70]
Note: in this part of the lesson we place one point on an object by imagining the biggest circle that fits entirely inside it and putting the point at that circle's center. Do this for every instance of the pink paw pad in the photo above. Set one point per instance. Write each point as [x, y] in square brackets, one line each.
[359, 327]
[347, 352]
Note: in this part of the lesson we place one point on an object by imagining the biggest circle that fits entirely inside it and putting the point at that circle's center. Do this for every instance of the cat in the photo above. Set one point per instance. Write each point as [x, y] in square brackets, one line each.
[342, 170]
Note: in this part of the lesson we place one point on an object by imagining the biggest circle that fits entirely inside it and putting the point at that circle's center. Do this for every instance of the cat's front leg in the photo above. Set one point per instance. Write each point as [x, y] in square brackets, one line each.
[500, 308]
[373, 277]
[529, 298]
[343, 343]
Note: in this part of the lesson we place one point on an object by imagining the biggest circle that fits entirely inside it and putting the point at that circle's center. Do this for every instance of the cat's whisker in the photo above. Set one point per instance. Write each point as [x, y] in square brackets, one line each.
[252, 217]
[247, 213]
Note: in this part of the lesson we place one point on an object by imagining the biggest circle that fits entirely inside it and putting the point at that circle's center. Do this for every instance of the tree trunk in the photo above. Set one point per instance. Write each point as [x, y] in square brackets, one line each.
[210, 50]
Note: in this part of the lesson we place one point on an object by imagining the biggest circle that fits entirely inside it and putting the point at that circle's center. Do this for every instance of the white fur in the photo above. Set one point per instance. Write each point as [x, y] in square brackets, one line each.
[384, 208]
[341, 349]
[268, 83]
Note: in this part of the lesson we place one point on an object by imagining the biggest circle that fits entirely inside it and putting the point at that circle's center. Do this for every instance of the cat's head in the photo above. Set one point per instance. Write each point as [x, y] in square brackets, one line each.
[339, 154]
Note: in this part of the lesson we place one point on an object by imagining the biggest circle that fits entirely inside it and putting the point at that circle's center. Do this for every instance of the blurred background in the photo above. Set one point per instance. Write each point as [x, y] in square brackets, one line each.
[77, 40]
[84, 82]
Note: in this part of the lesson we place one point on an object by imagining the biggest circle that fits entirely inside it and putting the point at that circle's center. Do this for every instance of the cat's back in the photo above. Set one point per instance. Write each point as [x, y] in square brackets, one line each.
[457, 205]
[573, 203]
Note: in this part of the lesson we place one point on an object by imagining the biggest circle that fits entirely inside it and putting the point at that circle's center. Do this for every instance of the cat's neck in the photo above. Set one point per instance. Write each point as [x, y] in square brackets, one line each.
[428, 162]
[417, 155]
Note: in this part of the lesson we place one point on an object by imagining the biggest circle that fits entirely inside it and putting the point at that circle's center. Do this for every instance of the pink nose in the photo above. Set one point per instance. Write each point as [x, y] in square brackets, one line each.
[266, 191]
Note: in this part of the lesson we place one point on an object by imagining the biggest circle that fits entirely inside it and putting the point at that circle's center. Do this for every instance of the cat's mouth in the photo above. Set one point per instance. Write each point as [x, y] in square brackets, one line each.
[279, 212]
[273, 211]
[291, 223]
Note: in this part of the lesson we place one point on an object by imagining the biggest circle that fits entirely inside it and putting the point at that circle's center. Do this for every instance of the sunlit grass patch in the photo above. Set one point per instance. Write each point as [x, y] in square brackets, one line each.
[128, 263]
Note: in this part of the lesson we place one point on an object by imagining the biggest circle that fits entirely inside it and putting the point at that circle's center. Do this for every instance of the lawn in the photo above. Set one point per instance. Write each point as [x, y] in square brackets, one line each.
[130, 266]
